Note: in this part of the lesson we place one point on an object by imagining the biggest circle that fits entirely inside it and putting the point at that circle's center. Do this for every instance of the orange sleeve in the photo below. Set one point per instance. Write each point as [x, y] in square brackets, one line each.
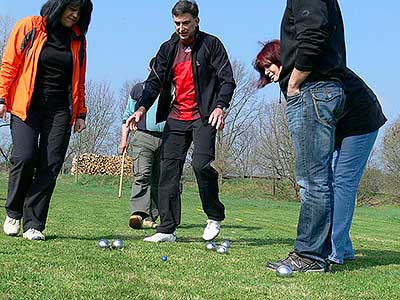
[82, 90]
[12, 57]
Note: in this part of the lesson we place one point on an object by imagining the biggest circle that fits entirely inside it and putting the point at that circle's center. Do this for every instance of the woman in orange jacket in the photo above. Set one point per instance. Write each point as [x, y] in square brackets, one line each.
[42, 85]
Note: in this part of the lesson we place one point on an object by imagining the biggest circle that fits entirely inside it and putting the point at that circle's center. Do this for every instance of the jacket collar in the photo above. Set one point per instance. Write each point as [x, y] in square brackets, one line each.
[175, 38]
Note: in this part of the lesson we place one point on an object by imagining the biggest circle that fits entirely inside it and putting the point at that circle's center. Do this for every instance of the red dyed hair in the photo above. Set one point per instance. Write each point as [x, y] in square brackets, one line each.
[269, 54]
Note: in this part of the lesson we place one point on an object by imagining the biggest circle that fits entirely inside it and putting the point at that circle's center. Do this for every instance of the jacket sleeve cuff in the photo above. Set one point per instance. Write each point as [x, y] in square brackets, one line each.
[82, 116]
[2, 101]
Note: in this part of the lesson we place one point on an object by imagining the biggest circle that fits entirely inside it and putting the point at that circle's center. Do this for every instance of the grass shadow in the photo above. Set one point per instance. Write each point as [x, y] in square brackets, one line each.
[244, 227]
[123, 237]
[242, 242]
[367, 258]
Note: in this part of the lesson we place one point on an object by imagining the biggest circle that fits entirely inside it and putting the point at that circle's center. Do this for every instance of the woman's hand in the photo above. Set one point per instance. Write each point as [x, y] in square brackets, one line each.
[79, 125]
[3, 112]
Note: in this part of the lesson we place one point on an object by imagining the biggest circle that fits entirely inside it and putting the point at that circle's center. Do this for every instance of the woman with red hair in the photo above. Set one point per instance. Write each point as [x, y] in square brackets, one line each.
[355, 134]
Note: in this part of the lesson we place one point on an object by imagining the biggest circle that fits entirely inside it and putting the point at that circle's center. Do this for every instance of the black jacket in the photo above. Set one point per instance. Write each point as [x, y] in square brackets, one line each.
[312, 39]
[362, 112]
[212, 74]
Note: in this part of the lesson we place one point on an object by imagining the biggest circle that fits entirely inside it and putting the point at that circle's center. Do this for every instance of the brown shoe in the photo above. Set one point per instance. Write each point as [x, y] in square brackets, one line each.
[149, 224]
[136, 222]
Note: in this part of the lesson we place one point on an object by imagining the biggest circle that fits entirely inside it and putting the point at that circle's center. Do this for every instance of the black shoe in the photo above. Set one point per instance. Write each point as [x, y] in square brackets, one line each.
[299, 264]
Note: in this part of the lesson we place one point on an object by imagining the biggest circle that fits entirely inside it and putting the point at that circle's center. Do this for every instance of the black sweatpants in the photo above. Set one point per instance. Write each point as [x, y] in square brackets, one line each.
[39, 147]
[177, 138]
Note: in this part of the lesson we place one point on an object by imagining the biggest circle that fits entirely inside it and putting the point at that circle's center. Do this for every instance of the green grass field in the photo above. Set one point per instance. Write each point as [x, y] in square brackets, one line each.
[68, 265]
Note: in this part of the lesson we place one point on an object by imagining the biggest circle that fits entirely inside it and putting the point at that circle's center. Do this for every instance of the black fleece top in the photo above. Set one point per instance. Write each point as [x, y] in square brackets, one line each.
[54, 74]
[312, 39]
[362, 112]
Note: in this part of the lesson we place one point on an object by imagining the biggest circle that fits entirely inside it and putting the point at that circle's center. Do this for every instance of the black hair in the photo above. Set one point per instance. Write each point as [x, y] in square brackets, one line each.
[52, 10]
[185, 6]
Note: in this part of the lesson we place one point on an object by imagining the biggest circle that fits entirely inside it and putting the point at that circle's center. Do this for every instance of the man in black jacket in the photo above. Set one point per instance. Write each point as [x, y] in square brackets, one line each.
[313, 60]
[194, 80]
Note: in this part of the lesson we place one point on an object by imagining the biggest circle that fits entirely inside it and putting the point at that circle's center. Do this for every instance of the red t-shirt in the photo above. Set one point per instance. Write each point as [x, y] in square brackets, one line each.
[184, 106]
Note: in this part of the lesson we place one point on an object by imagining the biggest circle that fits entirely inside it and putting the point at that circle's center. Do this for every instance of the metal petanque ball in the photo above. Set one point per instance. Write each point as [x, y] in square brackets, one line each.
[210, 246]
[222, 250]
[226, 244]
[118, 244]
[103, 244]
[164, 258]
[284, 271]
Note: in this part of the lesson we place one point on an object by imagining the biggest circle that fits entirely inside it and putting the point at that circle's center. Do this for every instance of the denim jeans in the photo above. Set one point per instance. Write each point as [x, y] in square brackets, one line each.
[349, 160]
[312, 116]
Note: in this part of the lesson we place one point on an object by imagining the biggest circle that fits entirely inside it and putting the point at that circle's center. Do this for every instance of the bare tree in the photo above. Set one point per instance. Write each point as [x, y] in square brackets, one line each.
[124, 94]
[96, 138]
[276, 153]
[239, 117]
[390, 156]
[6, 23]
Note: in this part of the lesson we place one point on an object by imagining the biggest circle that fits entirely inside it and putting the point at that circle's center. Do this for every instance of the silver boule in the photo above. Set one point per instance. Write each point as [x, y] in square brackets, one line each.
[284, 271]
[222, 250]
[103, 244]
[118, 244]
[210, 246]
[226, 244]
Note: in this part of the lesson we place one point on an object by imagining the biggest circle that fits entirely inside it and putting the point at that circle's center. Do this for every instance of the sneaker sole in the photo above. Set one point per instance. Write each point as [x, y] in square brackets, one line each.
[11, 234]
[214, 237]
[34, 239]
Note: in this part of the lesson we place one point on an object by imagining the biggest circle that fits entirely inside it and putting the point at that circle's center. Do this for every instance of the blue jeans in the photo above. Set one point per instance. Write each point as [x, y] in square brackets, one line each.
[312, 116]
[349, 160]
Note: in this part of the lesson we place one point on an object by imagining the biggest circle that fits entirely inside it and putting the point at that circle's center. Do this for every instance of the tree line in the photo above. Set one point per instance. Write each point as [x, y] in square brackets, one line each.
[254, 143]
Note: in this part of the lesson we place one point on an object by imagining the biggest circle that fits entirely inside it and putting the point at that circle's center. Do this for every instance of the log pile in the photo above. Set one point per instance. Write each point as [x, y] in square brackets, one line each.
[93, 164]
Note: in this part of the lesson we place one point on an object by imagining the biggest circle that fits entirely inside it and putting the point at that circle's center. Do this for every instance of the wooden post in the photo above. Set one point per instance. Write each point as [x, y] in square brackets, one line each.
[122, 174]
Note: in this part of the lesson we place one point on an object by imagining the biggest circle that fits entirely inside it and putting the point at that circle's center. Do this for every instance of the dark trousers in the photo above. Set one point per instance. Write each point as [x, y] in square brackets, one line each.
[39, 146]
[177, 138]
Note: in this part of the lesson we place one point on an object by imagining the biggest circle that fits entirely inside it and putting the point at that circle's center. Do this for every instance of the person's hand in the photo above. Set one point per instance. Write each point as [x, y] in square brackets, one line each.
[3, 112]
[79, 125]
[291, 91]
[216, 119]
[296, 79]
[134, 120]
[123, 145]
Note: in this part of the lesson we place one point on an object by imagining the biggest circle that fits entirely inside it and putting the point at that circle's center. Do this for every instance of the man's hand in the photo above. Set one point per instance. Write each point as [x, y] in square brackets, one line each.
[79, 125]
[217, 119]
[123, 145]
[296, 79]
[3, 112]
[134, 120]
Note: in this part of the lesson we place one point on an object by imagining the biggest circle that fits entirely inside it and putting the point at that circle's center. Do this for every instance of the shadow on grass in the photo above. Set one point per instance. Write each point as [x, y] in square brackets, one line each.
[247, 228]
[367, 258]
[242, 242]
[186, 239]
[123, 237]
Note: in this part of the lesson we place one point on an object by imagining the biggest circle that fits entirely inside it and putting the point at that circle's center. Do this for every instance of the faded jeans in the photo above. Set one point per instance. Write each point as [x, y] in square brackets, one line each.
[312, 116]
[349, 160]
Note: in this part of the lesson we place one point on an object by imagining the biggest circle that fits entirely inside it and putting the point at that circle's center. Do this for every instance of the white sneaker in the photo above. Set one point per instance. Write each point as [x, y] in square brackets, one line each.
[161, 237]
[11, 226]
[33, 235]
[212, 230]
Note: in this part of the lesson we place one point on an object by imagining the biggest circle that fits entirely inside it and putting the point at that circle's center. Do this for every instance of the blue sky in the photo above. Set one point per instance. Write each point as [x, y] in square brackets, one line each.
[125, 34]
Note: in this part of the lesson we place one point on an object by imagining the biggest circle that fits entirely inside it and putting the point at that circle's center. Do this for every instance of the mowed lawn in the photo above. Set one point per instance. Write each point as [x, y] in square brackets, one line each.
[68, 265]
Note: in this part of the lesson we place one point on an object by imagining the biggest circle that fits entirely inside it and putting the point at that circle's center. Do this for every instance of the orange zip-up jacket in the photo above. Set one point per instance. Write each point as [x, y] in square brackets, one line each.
[20, 65]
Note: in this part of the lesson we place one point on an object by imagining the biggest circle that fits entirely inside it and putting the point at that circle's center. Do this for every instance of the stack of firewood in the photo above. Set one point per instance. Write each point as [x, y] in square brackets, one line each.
[93, 164]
